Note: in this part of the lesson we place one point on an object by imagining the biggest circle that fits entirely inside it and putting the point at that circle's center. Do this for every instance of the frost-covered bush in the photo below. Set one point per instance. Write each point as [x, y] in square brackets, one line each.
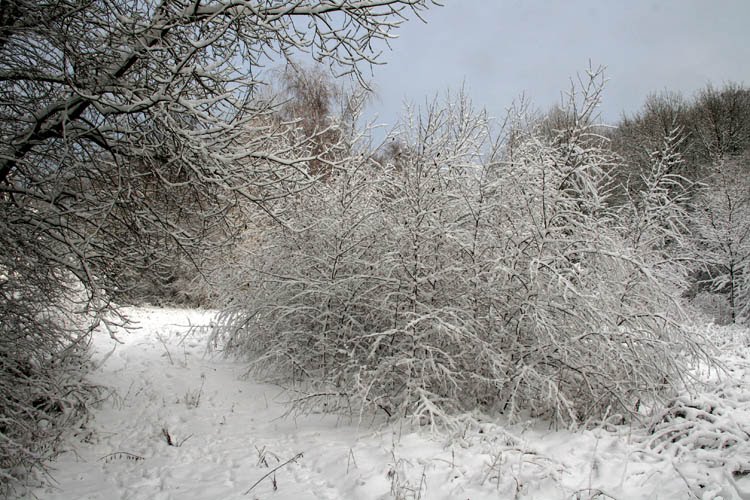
[43, 362]
[468, 271]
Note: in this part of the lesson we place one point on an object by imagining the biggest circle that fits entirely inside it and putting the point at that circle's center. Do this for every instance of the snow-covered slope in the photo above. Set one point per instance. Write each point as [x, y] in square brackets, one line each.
[185, 424]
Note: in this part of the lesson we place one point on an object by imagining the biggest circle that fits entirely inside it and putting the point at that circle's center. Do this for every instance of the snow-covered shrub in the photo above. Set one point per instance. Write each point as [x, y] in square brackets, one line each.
[43, 361]
[711, 429]
[468, 272]
[704, 433]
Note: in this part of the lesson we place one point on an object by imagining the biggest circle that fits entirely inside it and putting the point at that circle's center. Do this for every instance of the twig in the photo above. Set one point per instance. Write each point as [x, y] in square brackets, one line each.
[422, 483]
[167, 436]
[293, 459]
[121, 454]
[163, 343]
[349, 459]
[170, 440]
[183, 441]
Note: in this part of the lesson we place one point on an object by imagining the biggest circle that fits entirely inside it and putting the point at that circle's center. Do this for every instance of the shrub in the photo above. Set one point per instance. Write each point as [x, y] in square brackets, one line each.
[43, 362]
[467, 272]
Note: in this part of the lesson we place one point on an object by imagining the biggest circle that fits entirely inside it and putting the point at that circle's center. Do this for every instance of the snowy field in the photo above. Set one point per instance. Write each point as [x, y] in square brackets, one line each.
[182, 423]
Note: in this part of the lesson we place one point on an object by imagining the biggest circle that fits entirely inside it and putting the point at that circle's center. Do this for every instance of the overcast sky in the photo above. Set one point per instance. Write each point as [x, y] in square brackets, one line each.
[501, 48]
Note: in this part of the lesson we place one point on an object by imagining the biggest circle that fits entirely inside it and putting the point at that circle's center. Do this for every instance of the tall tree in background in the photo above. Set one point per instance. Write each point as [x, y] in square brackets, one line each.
[720, 123]
[721, 226]
[321, 109]
[128, 127]
[720, 127]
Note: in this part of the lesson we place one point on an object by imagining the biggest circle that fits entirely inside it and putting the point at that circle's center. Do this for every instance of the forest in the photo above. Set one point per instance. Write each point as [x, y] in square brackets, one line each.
[525, 263]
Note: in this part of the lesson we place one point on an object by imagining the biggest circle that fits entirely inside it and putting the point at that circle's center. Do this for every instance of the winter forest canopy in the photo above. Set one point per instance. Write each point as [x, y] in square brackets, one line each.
[540, 264]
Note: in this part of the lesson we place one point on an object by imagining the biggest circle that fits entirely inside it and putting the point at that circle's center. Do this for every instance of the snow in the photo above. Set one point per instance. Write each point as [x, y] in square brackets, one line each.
[230, 440]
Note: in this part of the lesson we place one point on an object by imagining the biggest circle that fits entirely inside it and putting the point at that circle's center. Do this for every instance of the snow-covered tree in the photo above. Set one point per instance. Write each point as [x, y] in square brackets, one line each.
[721, 219]
[721, 223]
[657, 213]
[701, 145]
[132, 129]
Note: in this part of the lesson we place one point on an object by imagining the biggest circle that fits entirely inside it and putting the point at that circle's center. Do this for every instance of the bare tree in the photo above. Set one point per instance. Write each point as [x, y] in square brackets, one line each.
[320, 108]
[721, 126]
[131, 126]
[721, 226]
[720, 123]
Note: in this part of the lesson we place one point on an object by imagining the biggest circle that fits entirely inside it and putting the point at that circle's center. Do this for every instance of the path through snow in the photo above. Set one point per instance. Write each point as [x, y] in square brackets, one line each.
[226, 429]
[227, 434]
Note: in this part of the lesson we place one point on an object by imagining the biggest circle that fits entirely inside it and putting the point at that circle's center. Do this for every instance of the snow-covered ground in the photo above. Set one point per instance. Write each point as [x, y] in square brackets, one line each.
[182, 423]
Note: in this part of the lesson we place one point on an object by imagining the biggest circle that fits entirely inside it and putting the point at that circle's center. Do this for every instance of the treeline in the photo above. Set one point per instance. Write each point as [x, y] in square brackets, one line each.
[714, 125]
[711, 133]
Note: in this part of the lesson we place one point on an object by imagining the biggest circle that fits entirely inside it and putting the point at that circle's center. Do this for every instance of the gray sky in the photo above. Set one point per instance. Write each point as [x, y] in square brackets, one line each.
[501, 48]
